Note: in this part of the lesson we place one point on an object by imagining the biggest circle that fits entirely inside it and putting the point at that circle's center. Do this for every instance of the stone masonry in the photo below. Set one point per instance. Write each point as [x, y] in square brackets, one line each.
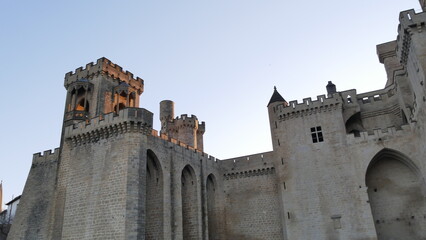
[346, 165]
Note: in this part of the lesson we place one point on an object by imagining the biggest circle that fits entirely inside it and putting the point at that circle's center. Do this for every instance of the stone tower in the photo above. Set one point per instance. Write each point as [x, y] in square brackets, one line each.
[345, 165]
[99, 89]
[186, 129]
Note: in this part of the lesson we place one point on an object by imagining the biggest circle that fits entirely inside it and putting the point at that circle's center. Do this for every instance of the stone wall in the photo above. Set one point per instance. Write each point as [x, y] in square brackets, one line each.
[32, 220]
[252, 208]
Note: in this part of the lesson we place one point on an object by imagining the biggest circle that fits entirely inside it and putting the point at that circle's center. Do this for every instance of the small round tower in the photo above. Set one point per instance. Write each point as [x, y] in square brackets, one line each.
[185, 128]
[167, 113]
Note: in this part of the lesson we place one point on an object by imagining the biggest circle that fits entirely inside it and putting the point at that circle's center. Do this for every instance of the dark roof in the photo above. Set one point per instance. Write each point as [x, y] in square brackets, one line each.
[276, 97]
[124, 84]
[13, 200]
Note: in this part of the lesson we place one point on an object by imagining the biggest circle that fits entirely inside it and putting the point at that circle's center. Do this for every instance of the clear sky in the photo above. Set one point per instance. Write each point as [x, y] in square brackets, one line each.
[216, 59]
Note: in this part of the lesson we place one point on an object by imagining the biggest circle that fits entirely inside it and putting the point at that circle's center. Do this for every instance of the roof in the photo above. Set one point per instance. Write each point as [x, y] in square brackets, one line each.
[276, 97]
[13, 200]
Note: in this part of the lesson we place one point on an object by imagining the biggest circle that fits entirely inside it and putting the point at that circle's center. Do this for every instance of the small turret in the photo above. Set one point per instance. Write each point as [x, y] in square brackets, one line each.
[276, 103]
[167, 113]
[186, 129]
[331, 89]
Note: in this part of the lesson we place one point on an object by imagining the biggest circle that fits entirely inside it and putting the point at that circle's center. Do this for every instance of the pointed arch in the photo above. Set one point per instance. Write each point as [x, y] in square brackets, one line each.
[154, 198]
[189, 198]
[396, 195]
[212, 214]
[394, 154]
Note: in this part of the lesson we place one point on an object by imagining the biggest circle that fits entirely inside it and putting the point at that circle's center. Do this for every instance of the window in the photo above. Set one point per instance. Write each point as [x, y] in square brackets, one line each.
[316, 133]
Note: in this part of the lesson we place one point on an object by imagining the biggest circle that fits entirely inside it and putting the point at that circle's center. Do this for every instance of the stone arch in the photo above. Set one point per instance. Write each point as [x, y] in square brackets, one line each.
[154, 198]
[396, 196]
[189, 203]
[212, 213]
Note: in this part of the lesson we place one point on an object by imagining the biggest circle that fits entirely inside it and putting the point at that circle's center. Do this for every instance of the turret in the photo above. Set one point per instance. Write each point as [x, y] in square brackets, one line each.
[186, 129]
[275, 103]
[167, 113]
[275, 100]
[99, 89]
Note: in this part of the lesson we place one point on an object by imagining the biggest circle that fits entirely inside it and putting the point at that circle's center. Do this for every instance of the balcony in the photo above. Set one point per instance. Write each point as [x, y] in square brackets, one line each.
[76, 115]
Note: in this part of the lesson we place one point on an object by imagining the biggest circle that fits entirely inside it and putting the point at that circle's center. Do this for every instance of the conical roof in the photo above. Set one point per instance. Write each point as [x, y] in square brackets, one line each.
[276, 97]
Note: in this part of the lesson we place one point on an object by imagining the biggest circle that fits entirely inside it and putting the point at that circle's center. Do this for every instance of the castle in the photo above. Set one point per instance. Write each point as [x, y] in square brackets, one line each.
[346, 165]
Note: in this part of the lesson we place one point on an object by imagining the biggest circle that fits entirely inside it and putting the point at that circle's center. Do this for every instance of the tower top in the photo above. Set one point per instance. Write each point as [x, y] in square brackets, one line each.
[104, 66]
[276, 97]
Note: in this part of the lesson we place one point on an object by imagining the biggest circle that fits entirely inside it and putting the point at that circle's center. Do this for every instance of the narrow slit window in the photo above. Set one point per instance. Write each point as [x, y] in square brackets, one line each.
[316, 133]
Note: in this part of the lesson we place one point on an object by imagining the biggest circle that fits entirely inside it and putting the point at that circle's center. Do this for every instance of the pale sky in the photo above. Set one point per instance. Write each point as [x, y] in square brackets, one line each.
[216, 59]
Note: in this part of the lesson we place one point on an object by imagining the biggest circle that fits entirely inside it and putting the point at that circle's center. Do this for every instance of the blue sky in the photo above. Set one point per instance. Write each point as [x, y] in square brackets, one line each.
[217, 59]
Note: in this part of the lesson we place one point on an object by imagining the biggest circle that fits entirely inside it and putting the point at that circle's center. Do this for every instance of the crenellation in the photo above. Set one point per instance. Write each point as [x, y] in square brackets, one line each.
[411, 19]
[47, 157]
[128, 120]
[343, 165]
[302, 110]
[104, 66]
[249, 173]
[309, 106]
[247, 162]
[379, 134]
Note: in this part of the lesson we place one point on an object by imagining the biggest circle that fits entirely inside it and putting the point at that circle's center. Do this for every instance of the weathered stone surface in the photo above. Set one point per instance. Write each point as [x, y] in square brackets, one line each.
[345, 166]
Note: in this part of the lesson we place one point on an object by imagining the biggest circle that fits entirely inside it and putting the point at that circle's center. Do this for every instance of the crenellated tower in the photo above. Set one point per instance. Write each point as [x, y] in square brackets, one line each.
[99, 89]
[186, 129]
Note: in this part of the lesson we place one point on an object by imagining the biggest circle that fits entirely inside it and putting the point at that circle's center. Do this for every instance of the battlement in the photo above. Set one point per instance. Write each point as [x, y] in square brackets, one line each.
[409, 21]
[248, 166]
[375, 96]
[176, 143]
[104, 66]
[185, 121]
[379, 134]
[47, 157]
[247, 162]
[308, 106]
[104, 126]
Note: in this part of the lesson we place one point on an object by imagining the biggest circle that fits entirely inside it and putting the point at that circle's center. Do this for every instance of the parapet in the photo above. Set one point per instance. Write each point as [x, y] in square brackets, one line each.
[309, 106]
[410, 21]
[181, 145]
[248, 166]
[111, 124]
[47, 157]
[379, 134]
[104, 66]
[187, 121]
[375, 96]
